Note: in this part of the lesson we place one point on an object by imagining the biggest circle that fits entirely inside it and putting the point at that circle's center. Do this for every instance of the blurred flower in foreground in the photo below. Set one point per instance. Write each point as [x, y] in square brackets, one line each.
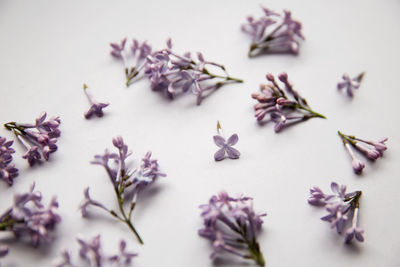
[371, 149]
[7, 169]
[225, 146]
[273, 33]
[343, 209]
[128, 183]
[232, 226]
[96, 108]
[350, 83]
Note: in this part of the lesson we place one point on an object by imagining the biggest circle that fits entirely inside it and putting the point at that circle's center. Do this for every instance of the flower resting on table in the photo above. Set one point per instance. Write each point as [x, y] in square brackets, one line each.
[92, 255]
[225, 146]
[127, 182]
[273, 33]
[232, 226]
[343, 209]
[96, 108]
[350, 83]
[39, 139]
[371, 149]
[28, 217]
[8, 171]
[283, 111]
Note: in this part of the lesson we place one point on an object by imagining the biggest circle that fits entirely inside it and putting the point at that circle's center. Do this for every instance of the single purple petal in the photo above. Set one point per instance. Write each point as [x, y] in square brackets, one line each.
[219, 140]
[232, 152]
[232, 140]
[219, 155]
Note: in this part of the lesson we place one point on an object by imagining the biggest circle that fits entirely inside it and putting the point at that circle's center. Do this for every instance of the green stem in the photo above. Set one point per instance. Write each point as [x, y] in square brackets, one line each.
[315, 114]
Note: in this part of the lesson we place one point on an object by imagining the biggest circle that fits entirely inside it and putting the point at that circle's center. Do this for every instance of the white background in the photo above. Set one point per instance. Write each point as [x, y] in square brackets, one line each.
[50, 48]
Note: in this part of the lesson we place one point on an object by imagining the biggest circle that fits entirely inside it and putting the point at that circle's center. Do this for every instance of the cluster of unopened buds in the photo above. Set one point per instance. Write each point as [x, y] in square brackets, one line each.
[232, 225]
[92, 255]
[371, 149]
[28, 217]
[342, 208]
[8, 171]
[127, 182]
[174, 74]
[283, 111]
[39, 139]
[273, 33]
[350, 84]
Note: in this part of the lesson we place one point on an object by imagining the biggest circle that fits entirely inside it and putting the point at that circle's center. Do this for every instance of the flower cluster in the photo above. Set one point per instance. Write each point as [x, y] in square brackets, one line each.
[371, 149]
[340, 206]
[92, 255]
[96, 108]
[283, 111]
[350, 83]
[232, 226]
[127, 182]
[7, 169]
[225, 146]
[28, 217]
[133, 58]
[273, 33]
[39, 139]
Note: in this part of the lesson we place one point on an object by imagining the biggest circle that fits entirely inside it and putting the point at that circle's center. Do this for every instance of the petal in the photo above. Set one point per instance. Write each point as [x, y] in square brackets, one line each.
[335, 187]
[219, 155]
[232, 152]
[219, 140]
[233, 140]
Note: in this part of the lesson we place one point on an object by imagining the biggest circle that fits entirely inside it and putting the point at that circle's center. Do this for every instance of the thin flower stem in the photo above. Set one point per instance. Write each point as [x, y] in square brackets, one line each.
[316, 114]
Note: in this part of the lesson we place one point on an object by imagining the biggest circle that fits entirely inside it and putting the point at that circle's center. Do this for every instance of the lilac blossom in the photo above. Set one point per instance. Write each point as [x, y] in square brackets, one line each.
[28, 217]
[96, 108]
[8, 171]
[133, 57]
[273, 33]
[350, 83]
[173, 74]
[225, 146]
[3, 250]
[371, 149]
[128, 182]
[92, 255]
[232, 226]
[283, 111]
[341, 206]
[38, 139]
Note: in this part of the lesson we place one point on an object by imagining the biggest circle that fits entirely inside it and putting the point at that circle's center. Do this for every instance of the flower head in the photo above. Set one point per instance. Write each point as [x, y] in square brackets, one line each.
[350, 84]
[8, 171]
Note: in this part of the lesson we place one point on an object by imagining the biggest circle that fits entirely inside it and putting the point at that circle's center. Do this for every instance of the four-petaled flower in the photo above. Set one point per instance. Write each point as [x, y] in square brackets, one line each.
[350, 83]
[96, 108]
[226, 147]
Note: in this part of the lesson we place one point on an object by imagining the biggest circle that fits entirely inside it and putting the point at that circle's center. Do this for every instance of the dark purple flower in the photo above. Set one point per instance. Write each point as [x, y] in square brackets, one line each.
[273, 33]
[232, 226]
[225, 146]
[7, 169]
[350, 83]
[96, 108]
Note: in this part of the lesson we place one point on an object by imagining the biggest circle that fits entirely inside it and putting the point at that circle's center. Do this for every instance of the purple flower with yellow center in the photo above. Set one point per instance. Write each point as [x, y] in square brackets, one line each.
[350, 84]
[8, 171]
[96, 108]
[225, 146]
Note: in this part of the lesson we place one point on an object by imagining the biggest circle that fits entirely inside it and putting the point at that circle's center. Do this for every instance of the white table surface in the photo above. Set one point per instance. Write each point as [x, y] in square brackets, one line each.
[50, 48]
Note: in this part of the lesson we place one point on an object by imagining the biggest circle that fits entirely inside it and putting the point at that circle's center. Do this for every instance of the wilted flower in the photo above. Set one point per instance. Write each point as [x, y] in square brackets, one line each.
[340, 205]
[39, 139]
[29, 217]
[127, 182]
[225, 146]
[350, 83]
[273, 33]
[283, 111]
[371, 149]
[96, 108]
[7, 169]
[92, 255]
[232, 226]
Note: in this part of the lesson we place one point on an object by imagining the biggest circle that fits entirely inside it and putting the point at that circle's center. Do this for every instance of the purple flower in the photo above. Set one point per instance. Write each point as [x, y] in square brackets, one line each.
[339, 205]
[29, 217]
[3, 250]
[7, 169]
[350, 83]
[283, 111]
[232, 226]
[372, 150]
[127, 182]
[273, 33]
[225, 146]
[96, 108]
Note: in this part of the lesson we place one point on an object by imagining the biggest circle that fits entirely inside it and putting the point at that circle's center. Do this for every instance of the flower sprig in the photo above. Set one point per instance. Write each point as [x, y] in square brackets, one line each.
[340, 206]
[371, 149]
[273, 33]
[232, 226]
[128, 183]
[283, 110]
[8, 171]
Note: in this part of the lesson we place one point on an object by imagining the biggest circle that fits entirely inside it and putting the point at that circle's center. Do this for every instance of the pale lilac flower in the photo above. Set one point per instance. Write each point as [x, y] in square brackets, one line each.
[28, 217]
[350, 83]
[3, 250]
[339, 205]
[127, 182]
[232, 226]
[8, 171]
[283, 111]
[225, 146]
[372, 150]
[96, 108]
[273, 33]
